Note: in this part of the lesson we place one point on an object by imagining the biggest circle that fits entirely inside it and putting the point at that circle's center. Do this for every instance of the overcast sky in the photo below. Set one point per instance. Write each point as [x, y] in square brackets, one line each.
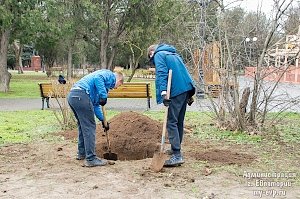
[252, 5]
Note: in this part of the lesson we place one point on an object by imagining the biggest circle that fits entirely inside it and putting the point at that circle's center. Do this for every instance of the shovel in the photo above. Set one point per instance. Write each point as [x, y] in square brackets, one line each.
[160, 157]
[109, 155]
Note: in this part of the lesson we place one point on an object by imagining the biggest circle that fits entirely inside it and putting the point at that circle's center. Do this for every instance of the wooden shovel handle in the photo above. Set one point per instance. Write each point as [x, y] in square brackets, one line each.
[163, 136]
[104, 115]
[105, 123]
[169, 84]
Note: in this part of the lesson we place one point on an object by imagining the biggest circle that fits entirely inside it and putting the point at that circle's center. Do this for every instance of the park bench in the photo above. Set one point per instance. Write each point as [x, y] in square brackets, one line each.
[47, 92]
[132, 90]
[127, 90]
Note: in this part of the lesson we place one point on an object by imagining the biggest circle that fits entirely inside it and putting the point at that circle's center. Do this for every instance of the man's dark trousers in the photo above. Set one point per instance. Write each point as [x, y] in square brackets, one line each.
[176, 114]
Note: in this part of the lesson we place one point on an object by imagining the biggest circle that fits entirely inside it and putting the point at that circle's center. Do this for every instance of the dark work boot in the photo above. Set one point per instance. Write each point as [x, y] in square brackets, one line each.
[174, 161]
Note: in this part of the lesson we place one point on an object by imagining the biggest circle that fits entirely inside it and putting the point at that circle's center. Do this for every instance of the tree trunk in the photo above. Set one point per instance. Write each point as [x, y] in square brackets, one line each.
[132, 72]
[69, 70]
[21, 70]
[130, 64]
[18, 54]
[239, 118]
[253, 106]
[112, 56]
[244, 101]
[4, 74]
[103, 50]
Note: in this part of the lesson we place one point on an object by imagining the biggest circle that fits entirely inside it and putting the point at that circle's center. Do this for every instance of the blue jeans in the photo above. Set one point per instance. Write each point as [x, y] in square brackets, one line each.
[83, 109]
[176, 114]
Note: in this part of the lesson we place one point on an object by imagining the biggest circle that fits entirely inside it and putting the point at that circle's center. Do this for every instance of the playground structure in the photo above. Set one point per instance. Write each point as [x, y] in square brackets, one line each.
[282, 61]
[285, 53]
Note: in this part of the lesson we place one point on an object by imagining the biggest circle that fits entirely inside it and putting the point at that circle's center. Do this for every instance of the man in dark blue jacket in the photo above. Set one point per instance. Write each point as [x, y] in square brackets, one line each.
[164, 57]
[85, 99]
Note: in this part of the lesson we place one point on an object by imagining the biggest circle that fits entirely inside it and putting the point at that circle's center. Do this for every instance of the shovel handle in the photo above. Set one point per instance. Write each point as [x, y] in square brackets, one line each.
[104, 115]
[163, 136]
[105, 123]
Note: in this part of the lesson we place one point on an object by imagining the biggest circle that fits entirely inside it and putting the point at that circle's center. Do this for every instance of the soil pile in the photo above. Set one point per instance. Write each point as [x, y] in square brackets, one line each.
[225, 157]
[133, 136]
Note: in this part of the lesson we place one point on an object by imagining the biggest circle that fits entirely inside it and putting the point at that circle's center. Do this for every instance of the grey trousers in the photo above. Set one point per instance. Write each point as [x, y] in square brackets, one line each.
[83, 109]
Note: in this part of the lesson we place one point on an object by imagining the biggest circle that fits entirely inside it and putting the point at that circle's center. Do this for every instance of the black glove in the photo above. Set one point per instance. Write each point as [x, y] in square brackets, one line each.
[103, 101]
[106, 127]
[190, 101]
[166, 102]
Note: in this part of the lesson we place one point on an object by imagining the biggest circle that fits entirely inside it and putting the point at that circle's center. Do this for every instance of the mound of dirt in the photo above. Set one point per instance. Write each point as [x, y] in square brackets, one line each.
[133, 136]
[225, 157]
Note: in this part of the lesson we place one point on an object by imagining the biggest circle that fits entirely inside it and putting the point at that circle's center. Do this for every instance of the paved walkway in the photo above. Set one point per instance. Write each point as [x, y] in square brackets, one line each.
[112, 104]
[287, 99]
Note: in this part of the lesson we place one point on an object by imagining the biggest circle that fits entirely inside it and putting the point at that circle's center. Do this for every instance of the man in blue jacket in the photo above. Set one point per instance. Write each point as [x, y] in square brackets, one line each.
[164, 57]
[85, 99]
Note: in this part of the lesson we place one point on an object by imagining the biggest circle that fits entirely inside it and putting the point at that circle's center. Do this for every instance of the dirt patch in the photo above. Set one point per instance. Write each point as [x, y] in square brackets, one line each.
[225, 157]
[47, 169]
[133, 136]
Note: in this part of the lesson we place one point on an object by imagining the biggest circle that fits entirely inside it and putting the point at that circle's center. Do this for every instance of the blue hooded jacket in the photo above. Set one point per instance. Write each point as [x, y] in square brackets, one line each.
[97, 85]
[164, 59]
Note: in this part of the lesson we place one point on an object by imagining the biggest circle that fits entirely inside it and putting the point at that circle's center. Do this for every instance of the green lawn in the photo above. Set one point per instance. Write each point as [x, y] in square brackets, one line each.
[25, 126]
[25, 85]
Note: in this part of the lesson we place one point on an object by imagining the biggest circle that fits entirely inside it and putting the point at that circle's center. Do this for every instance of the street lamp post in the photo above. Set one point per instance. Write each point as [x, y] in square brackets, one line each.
[250, 42]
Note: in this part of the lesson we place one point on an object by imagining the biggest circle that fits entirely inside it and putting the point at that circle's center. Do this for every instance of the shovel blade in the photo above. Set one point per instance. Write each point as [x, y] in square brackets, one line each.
[110, 156]
[158, 161]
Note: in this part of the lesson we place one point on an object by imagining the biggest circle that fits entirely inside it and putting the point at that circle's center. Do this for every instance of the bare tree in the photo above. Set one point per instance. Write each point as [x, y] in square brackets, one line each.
[134, 58]
[4, 74]
[259, 97]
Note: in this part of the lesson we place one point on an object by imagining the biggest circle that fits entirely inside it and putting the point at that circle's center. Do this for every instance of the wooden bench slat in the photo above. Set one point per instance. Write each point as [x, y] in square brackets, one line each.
[137, 83]
[133, 86]
[128, 89]
[128, 95]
